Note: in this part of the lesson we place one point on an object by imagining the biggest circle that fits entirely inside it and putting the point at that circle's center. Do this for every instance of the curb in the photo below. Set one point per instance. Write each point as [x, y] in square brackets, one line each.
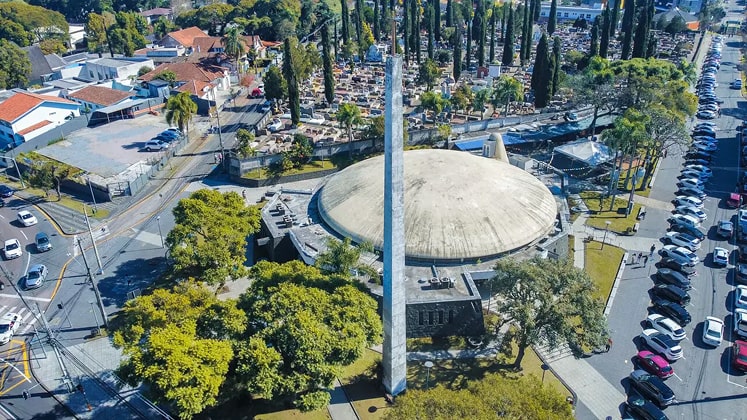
[560, 378]
[615, 285]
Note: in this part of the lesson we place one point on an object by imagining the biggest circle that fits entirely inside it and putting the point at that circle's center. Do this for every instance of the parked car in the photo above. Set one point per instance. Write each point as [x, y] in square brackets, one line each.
[740, 322]
[154, 146]
[42, 242]
[653, 364]
[740, 297]
[713, 331]
[8, 326]
[36, 276]
[683, 240]
[691, 183]
[661, 344]
[691, 192]
[684, 220]
[739, 355]
[706, 115]
[720, 257]
[672, 310]
[688, 201]
[669, 276]
[740, 273]
[25, 218]
[12, 249]
[673, 251]
[671, 293]
[275, 126]
[692, 211]
[666, 326]
[690, 230]
[682, 267]
[6, 191]
[688, 173]
[652, 387]
[637, 406]
[724, 228]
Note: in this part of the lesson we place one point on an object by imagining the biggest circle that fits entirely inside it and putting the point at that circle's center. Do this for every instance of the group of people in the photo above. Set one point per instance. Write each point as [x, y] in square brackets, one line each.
[637, 257]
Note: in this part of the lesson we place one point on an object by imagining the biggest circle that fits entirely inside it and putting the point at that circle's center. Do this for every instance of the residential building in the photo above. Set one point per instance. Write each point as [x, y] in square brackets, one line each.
[182, 38]
[25, 115]
[188, 72]
[691, 21]
[589, 13]
[690, 6]
[95, 97]
[152, 15]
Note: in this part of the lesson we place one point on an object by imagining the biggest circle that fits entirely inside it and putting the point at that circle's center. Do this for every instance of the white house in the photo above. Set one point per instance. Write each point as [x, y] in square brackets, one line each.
[25, 115]
[94, 97]
[573, 12]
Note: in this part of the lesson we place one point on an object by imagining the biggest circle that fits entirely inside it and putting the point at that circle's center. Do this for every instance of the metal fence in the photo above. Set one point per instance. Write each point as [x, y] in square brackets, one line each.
[154, 165]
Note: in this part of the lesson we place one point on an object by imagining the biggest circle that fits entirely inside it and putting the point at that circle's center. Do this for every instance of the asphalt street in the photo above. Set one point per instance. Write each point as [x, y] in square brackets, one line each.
[705, 385]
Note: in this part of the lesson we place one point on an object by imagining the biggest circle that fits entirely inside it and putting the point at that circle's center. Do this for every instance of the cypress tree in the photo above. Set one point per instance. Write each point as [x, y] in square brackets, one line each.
[552, 20]
[415, 15]
[541, 77]
[508, 44]
[604, 43]
[614, 16]
[645, 16]
[556, 49]
[294, 97]
[536, 7]
[429, 21]
[653, 46]
[524, 33]
[406, 29]
[345, 16]
[594, 46]
[493, 18]
[628, 25]
[376, 27]
[457, 52]
[449, 14]
[436, 5]
[481, 34]
[384, 18]
[504, 19]
[359, 26]
[336, 41]
[530, 30]
[329, 76]
[468, 21]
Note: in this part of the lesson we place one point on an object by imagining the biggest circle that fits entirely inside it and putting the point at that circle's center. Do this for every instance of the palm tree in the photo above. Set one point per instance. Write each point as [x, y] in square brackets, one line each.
[506, 90]
[180, 109]
[348, 115]
[233, 45]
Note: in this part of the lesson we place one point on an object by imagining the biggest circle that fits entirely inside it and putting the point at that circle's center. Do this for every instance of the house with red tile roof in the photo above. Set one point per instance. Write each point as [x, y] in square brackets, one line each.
[182, 38]
[94, 97]
[26, 115]
[188, 72]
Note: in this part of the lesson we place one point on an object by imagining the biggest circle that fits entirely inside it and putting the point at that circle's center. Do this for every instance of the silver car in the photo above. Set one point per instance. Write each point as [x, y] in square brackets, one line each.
[36, 276]
[42, 242]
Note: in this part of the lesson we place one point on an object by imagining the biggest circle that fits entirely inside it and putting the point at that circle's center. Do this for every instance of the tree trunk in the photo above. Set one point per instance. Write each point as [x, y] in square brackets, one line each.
[613, 181]
[594, 121]
[520, 354]
[350, 140]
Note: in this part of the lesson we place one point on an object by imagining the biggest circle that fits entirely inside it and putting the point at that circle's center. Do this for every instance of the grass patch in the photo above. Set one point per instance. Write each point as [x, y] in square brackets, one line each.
[315, 166]
[436, 343]
[321, 414]
[602, 264]
[599, 215]
[363, 386]
[76, 206]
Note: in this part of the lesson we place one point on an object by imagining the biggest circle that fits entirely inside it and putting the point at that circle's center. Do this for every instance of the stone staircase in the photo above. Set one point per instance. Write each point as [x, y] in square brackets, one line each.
[550, 355]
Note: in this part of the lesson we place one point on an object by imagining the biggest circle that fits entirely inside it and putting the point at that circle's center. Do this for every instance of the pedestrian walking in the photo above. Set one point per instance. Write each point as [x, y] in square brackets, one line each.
[638, 258]
[632, 258]
[665, 153]
[609, 345]
[645, 260]
[215, 158]
[653, 249]
[243, 194]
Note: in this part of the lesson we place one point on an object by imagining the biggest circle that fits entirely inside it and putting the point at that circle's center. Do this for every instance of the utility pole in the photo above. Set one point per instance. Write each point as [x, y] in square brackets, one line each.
[93, 241]
[95, 286]
[53, 343]
[220, 134]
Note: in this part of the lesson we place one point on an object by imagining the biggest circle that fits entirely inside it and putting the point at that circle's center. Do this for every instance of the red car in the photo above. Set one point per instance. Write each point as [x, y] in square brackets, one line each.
[740, 355]
[654, 364]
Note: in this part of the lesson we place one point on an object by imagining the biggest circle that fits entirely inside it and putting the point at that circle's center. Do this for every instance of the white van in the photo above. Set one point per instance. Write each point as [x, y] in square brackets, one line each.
[684, 220]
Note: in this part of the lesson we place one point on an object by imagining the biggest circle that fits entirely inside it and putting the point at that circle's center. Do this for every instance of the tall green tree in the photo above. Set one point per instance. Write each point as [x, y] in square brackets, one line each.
[376, 27]
[345, 17]
[604, 42]
[552, 19]
[482, 99]
[415, 34]
[628, 27]
[526, 35]
[429, 24]
[449, 13]
[276, 88]
[541, 75]
[457, 66]
[556, 51]
[180, 109]
[536, 8]
[436, 6]
[467, 13]
[329, 76]
[15, 66]
[614, 16]
[493, 19]
[209, 239]
[406, 29]
[645, 16]
[482, 34]
[359, 18]
[508, 44]
[234, 46]
[507, 89]
[596, 86]
[291, 79]
[349, 115]
[594, 44]
[96, 32]
[544, 299]
[340, 257]
[428, 73]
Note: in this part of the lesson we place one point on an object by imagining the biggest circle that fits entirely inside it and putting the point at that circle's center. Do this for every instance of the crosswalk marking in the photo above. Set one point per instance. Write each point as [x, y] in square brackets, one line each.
[27, 318]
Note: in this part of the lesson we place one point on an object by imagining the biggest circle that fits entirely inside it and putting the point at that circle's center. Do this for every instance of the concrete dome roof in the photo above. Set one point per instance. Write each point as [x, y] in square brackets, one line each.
[457, 206]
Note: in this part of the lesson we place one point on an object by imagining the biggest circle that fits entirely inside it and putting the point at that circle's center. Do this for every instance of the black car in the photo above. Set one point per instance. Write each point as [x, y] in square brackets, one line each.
[740, 273]
[638, 407]
[669, 276]
[6, 191]
[672, 310]
[692, 231]
[742, 253]
[699, 155]
[677, 265]
[651, 387]
[671, 293]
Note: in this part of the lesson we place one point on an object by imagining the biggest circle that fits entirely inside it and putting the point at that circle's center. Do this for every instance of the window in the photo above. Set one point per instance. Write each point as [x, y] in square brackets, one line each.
[588, 16]
[565, 14]
[451, 316]
[430, 317]
[440, 317]
[421, 319]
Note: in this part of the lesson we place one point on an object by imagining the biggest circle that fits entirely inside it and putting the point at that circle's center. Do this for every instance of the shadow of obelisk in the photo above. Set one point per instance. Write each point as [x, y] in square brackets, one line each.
[394, 351]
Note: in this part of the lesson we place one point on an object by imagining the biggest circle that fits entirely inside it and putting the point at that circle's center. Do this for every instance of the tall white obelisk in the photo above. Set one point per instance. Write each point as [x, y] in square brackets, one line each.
[395, 352]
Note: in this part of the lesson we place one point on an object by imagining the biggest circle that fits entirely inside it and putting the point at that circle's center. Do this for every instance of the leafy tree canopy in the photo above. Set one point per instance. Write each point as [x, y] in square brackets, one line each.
[36, 23]
[276, 87]
[209, 239]
[15, 66]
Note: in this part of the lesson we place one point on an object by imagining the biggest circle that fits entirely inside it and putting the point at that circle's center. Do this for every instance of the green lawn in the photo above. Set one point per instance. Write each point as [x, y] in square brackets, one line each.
[67, 201]
[264, 173]
[598, 216]
[601, 264]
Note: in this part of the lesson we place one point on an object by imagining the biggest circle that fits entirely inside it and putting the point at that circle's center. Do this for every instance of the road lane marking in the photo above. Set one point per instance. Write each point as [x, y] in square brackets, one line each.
[28, 262]
[24, 235]
[676, 376]
[25, 362]
[59, 279]
[25, 297]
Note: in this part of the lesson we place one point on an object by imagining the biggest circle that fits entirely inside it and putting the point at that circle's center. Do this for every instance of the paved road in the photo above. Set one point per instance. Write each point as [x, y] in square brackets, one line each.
[705, 385]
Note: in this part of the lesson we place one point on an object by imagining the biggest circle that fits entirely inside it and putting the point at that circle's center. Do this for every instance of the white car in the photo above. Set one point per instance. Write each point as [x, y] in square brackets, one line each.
[683, 239]
[12, 249]
[689, 173]
[740, 322]
[661, 344]
[720, 257]
[713, 331]
[683, 200]
[692, 183]
[740, 297]
[275, 126]
[703, 146]
[692, 211]
[26, 218]
[666, 326]
[742, 215]
[678, 252]
[698, 168]
[8, 326]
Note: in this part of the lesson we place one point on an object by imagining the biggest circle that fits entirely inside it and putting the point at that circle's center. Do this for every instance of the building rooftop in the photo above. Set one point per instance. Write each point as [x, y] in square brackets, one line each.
[100, 95]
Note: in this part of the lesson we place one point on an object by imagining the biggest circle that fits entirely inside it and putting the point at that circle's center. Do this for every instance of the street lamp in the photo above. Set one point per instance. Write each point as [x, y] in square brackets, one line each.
[428, 365]
[607, 229]
[544, 367]
[158, 220]
[93, 197]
